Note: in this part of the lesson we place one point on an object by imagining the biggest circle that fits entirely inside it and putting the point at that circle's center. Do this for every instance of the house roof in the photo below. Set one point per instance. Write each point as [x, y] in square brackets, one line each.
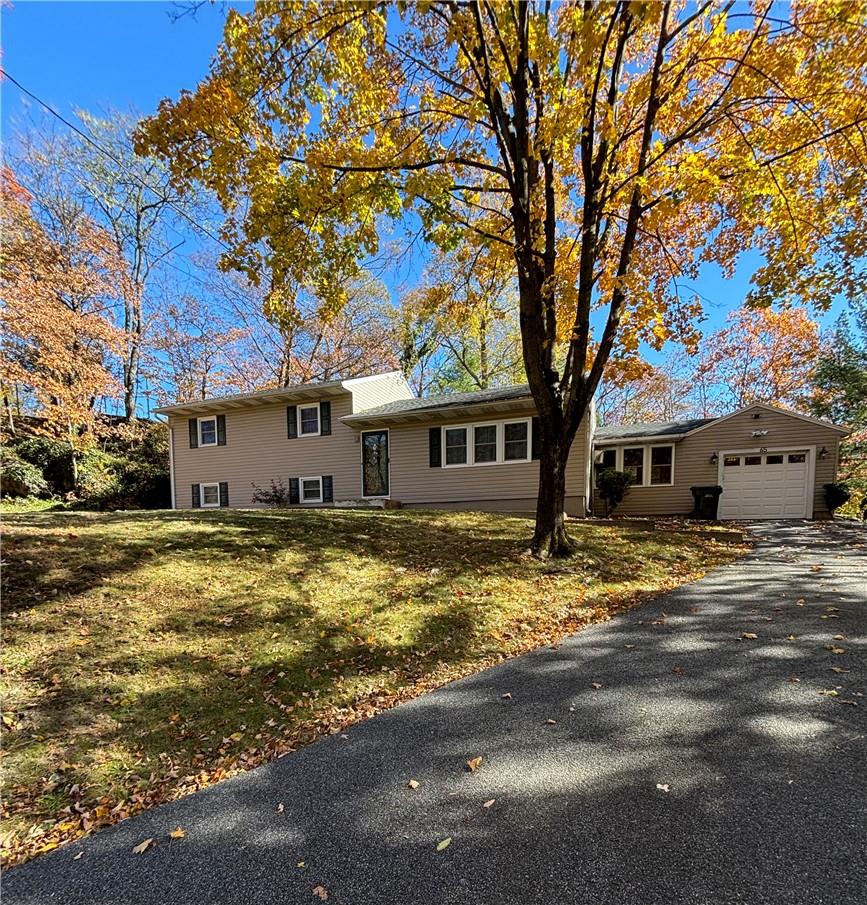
[299, 392]
[649, 430]
[445, 403]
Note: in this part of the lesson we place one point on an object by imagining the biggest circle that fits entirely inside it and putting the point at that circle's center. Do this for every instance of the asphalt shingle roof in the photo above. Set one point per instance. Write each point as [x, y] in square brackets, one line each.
[445, 400]
[650, 429]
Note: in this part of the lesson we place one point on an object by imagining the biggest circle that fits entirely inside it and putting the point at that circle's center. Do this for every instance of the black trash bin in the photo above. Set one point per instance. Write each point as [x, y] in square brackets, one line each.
[706, 501]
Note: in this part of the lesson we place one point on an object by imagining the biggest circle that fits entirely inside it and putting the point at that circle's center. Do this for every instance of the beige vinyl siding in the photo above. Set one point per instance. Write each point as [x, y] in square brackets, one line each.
[371, 392]
[692, 454]
[258, 450]
[504, 486]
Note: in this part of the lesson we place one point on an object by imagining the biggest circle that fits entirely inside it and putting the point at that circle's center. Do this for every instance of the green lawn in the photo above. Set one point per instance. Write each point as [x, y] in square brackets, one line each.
[149, 654]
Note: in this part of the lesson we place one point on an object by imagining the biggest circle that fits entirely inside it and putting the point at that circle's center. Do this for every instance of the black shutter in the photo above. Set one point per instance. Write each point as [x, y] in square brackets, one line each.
[221, 430]
[434, 447]
[537, 438]
[327, 488]
[291, 421]
[224, 493]
[294, 496]
[325, 418]
[197, 497]
[194, 433]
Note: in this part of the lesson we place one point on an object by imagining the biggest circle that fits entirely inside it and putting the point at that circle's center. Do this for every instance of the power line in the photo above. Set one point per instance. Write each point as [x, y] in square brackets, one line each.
[90, 140]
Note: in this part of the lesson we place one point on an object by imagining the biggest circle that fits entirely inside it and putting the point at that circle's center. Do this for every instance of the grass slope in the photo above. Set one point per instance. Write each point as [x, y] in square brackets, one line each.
[149, 654]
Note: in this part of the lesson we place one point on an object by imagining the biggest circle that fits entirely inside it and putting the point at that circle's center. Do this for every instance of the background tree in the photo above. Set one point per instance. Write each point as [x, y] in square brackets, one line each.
[471, 302]
[58, 287]
[602, 150]
[761, 355]
[128, 195]
[636, 391]
[840, 395]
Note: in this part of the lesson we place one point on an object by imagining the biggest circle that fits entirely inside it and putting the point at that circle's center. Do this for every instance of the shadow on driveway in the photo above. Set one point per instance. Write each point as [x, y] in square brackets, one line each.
[706, 767]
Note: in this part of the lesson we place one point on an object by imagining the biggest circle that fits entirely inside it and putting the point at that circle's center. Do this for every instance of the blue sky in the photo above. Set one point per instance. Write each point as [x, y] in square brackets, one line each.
[98, 55]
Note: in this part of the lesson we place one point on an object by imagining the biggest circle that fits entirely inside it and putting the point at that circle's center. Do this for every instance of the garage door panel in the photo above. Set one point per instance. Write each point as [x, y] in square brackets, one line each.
[754, 488]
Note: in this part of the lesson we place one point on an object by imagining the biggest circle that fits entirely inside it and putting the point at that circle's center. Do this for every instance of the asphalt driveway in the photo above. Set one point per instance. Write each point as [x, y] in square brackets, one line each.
[667, 757]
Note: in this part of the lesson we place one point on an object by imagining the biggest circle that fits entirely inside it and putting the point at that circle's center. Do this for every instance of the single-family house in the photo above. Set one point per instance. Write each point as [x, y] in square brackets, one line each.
[368, 440]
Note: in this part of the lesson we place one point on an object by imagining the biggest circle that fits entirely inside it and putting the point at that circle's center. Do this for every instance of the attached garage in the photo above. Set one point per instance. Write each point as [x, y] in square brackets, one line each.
[766, 485]
[771, 463]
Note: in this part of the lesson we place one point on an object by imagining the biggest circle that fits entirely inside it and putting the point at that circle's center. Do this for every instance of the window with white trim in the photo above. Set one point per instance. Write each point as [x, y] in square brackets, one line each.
[308, 420]
[661, 464]
[455, 442]
[516, 441]
[607, 458]
[633, 463]
[487, 443]
[208, 431]
[650, 465]
[311, 490]
[210, 495]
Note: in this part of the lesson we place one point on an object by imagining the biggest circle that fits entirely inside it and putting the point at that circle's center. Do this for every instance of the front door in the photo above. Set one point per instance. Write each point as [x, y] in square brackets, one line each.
[374, 463]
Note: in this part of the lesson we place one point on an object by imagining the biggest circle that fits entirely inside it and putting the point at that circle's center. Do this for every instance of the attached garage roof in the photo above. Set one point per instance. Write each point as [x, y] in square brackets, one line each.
[649, 430]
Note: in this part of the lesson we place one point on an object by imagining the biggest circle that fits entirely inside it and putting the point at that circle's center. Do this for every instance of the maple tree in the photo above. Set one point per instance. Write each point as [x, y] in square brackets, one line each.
[58, 289]
[602, 151]
[761, 355]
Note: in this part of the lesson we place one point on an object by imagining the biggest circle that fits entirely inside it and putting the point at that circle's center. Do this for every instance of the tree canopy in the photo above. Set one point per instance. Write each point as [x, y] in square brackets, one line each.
[604, 151]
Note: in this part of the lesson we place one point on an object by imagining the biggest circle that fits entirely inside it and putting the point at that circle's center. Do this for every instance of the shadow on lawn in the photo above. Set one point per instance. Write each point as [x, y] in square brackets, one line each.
[760, 774]
[87, 710]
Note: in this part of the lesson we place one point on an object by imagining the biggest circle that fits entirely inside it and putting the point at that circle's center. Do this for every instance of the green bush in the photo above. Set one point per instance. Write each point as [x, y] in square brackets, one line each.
[19, 478]
[836, 495]
[131, 472]
[52, 457]
[612, 486]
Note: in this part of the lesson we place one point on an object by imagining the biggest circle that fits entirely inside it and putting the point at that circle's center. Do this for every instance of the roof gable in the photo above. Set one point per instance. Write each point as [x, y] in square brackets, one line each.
[778, 411]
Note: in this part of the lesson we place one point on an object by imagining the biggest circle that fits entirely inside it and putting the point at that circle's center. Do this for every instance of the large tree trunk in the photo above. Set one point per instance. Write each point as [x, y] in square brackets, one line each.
[550, 537]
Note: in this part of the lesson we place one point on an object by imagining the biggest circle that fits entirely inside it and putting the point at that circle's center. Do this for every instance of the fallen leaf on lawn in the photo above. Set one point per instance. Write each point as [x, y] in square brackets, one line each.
[551, 722]
[831, 692]
[839, 669]
[301, 864]
[662, 786]
[596, 685]
[177, 833]
[507, 696]
[320, 891]
[413, 783]
[800, 601]
[442, 846]
[677, 670]
[793, 679]
[280, 808]
[836, 650]
[78, 856]
[473, 764]
[750, 636]
[142, 847]
[489, 803]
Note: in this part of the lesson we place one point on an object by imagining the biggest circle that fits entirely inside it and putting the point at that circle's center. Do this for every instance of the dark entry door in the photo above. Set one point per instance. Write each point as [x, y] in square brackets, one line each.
[374, 463]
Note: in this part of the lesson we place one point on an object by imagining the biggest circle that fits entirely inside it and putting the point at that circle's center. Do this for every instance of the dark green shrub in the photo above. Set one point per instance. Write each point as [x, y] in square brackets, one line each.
[612, 486]
[52, 457]
[836, 495]
[19, 478]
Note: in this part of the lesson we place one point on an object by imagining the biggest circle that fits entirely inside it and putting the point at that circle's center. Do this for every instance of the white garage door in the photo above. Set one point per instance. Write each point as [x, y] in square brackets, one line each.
[764, 485]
